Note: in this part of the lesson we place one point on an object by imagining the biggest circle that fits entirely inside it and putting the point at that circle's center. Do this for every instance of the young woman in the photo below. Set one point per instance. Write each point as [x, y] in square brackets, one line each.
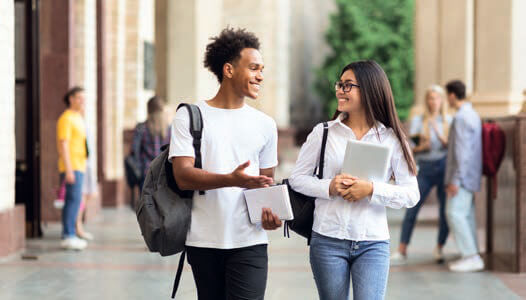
[150, 135]
[432, 129]
[350, 237]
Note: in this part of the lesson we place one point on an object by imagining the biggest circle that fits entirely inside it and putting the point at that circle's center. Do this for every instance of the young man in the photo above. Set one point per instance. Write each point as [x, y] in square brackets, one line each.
[463, 174]
[71, 144]
[227, 253]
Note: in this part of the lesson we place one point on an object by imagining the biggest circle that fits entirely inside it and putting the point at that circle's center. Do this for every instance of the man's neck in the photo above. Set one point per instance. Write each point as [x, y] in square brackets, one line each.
[227, 98]
[74, 110]
[459, 104]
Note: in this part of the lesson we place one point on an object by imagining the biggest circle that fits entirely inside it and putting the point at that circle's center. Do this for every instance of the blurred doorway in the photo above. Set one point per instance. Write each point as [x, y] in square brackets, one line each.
[27, 118]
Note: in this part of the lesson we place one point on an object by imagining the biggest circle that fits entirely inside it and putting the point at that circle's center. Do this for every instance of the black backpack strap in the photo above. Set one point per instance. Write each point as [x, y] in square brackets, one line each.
[322, 152]
[179, 273]
[196, 129]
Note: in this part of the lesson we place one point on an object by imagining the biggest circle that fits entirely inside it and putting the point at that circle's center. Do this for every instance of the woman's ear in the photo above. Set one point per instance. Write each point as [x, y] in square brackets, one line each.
[228, 70]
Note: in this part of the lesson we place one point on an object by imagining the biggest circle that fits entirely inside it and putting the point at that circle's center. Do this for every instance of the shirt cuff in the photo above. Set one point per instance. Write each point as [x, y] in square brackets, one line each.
[380, 193]
[325, 185]
[455, 181]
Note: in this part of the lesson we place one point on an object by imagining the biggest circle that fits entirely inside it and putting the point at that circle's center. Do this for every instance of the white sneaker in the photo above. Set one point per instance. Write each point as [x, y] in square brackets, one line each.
[469, 264]
[73, 243]
[398, 259]
[85, 236]
[438, 255]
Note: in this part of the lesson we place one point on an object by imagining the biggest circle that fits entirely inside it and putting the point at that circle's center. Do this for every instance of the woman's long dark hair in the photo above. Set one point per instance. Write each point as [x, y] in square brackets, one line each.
[378, 102]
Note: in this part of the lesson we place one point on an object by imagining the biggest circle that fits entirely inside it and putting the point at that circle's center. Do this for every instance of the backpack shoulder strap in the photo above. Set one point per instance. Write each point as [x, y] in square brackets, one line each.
[179, 273]
[322, 152]
[196, 129]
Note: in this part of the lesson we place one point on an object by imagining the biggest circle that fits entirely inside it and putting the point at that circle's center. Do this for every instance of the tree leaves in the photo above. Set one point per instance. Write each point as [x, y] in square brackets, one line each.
[373, 29]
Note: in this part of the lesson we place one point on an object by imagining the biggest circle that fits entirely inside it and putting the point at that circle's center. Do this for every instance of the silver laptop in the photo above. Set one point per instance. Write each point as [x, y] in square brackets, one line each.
[366, 160]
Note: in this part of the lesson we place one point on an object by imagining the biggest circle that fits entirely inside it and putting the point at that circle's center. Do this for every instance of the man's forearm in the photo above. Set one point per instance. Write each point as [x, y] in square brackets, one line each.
[197, 179]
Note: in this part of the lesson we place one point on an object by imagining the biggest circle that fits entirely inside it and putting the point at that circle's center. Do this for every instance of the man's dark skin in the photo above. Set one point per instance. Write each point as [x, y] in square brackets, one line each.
[241, 78]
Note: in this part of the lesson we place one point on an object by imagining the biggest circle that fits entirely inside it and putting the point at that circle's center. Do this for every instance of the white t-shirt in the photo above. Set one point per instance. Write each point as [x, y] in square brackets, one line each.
[230, 137]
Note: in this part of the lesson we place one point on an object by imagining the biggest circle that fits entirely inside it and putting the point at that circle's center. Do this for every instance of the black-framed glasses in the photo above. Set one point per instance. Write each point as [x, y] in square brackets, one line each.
[345, 86]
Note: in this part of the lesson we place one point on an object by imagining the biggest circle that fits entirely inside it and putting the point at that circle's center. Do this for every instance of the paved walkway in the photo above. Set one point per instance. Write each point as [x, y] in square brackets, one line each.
[117, 266]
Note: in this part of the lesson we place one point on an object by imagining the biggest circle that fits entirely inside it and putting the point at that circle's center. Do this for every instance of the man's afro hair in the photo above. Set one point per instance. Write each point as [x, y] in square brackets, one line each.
[226, 48]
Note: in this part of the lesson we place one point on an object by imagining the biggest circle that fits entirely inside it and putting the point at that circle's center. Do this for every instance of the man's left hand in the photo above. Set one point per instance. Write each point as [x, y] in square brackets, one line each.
[269, 220]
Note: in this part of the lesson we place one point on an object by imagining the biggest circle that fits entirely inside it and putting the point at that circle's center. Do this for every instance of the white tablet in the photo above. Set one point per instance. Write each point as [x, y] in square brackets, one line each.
[366, 160]
[274, 197]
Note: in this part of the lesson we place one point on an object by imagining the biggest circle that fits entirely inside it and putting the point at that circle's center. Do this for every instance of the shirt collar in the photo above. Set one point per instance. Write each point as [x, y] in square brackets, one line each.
[379, 125]
[465, 105]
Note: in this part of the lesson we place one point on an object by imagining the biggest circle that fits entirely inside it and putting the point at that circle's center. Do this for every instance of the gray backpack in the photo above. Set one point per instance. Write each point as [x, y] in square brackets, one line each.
[164, 211]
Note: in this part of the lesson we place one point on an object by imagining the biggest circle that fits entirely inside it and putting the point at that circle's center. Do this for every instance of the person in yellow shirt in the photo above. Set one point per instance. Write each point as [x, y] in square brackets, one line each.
[73, 152]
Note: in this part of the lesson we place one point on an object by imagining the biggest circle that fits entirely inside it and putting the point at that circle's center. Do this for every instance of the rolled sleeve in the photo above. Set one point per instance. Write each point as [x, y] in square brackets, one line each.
[302, 178]
[404, 193]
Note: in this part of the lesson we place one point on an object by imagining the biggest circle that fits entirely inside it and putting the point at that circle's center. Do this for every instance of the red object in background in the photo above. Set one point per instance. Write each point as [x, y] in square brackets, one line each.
[493, 148]
[61, 195]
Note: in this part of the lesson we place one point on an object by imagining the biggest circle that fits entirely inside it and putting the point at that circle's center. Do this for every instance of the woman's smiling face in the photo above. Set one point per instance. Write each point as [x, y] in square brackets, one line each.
[349, 101]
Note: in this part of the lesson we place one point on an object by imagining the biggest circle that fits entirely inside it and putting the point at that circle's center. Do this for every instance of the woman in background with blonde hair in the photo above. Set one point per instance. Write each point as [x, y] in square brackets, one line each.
[429, 134]
[150, 135]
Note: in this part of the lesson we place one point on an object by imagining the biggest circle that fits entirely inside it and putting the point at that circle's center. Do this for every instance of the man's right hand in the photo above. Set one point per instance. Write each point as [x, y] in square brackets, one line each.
[70, 177]
[240, 179]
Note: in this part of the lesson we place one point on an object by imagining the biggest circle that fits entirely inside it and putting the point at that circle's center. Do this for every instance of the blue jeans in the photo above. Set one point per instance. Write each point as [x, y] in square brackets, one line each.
[334, 262]
[430, 174]
[461, 218]
[71, 204]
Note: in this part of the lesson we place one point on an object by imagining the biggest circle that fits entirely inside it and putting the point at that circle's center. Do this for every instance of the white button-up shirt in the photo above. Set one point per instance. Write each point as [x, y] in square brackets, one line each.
[363, 220]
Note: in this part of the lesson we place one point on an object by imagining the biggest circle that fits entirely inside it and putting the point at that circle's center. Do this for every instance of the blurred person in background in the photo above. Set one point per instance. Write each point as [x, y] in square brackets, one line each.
[89, 187]
[150, 135]
[72, 149]
[463, 175]
[429, 134]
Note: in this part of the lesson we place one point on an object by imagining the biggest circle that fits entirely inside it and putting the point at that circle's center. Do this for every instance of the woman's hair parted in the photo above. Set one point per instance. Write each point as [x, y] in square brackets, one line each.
[226, 48]
[378, 102]
[71, 92]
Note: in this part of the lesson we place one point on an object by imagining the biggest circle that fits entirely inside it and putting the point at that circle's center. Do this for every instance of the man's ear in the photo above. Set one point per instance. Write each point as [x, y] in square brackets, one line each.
[228, 70]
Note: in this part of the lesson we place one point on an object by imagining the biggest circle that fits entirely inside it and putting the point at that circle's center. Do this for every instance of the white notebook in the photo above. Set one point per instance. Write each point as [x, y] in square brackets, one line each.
[367, 161]
[274, 197]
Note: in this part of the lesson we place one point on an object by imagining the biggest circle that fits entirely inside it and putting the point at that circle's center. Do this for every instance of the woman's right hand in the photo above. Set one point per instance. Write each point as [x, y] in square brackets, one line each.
[340, 182]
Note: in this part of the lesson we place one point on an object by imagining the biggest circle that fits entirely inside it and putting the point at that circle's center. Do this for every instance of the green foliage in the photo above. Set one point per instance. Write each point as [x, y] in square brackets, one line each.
[373, 29]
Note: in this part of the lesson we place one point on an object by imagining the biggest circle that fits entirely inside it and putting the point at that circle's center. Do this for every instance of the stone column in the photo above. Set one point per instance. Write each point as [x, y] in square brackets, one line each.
[272, 28]
[456, 51]
[12, 218]
[182, 32]
[427, 49]
[84, 74]
[500, 64]
[112, 107]
[139, 29]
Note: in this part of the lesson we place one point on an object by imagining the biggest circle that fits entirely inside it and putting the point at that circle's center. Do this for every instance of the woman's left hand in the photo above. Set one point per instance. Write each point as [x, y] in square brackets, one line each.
[358, 190]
